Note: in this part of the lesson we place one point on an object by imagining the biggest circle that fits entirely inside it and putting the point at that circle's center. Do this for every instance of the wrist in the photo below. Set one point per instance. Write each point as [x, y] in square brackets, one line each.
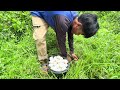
[71, 52]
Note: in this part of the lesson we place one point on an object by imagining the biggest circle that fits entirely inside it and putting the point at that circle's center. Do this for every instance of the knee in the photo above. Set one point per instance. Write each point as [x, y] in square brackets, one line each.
[40, 41]
[38, 37]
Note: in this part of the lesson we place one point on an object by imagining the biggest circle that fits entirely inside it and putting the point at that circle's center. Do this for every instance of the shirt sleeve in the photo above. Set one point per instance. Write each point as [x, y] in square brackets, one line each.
[61, 27]
[37, 13]
[70, 40]
[74, 14]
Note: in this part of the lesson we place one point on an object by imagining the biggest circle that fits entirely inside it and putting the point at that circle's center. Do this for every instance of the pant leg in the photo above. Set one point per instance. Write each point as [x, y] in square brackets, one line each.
[39, 35]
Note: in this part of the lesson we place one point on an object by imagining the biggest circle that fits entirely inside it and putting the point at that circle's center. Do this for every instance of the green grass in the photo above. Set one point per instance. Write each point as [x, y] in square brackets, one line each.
[99, 56]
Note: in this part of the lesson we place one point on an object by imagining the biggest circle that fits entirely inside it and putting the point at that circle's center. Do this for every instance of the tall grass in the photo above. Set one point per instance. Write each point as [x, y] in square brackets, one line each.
[99, 56]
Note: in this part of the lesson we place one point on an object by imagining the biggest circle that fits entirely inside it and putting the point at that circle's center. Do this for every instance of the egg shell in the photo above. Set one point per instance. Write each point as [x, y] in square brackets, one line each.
[66, 61]
[51, 65]
[58, 57]
[51, 58]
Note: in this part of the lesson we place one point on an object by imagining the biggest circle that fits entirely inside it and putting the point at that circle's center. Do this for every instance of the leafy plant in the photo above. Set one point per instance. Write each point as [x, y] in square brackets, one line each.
[99, 56]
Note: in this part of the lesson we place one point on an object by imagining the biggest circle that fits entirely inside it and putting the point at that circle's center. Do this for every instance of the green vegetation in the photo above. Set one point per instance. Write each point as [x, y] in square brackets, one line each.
[99, 56]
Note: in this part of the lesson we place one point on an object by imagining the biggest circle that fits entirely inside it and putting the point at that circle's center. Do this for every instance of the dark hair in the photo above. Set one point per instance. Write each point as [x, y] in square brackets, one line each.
[89, 23]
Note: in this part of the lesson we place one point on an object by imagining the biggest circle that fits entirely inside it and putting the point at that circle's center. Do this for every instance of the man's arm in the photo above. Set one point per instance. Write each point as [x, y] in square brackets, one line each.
[70, 40]
[61, 27]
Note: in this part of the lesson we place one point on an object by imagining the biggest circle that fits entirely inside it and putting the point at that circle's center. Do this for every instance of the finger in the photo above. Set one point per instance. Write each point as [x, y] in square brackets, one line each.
[75, 58]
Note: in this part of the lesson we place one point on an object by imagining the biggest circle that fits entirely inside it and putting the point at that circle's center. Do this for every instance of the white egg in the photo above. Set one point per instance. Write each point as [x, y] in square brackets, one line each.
[61, 64]
[51, 62]
[58, 69]
[65, 61]
[51, 65]
[59, 57]
[57, 63]
[63, 68]
[51, 58]
[55, 57]
[65, 65]
[54, 68]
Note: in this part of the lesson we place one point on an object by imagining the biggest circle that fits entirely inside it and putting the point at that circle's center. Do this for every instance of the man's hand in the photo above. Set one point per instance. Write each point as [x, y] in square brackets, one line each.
[71, 57]
[74, 57]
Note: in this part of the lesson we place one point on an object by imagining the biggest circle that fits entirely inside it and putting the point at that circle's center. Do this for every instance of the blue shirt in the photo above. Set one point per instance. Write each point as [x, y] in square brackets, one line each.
[48, 15]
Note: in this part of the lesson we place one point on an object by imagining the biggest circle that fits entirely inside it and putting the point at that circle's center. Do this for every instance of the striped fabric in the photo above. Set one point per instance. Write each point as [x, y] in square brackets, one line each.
[63, 25]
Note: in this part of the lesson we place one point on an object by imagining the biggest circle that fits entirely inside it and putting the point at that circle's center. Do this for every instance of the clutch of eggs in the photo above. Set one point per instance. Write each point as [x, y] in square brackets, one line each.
[57, 63]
